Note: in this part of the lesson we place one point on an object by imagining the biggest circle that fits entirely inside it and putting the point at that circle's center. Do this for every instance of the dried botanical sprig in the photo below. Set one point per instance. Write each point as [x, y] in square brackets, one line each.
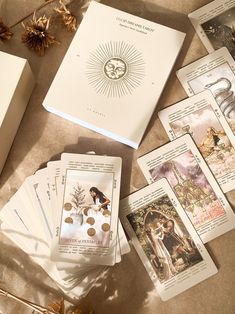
[74, 311]
[69, 19]
[5, 33]
[57, 306]
[36, 35]
[37, 308]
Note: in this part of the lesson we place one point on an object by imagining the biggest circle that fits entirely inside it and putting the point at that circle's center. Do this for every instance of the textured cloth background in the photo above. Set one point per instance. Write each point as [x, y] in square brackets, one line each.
[42, 136]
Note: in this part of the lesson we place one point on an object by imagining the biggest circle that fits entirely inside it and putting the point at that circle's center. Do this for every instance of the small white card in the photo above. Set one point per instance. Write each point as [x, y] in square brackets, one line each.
[168, 245]
[214, 25]
[215, 72]
[201, 117]
[194, 185]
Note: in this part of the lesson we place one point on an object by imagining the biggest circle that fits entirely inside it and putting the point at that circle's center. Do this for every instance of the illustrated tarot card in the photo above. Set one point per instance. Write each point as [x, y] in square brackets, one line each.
[68, 271]
[214, 24]
[194, 185]
[215, 72]
[53, 169]
[86, 223]
[201, 117]
[168, 245]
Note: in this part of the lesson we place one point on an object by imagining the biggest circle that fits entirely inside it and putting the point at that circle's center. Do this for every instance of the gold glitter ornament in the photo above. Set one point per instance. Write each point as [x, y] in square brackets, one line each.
[36, 35]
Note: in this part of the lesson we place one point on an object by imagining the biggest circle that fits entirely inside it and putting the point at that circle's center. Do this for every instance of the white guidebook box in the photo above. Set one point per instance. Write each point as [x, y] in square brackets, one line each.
[17, 82]
[113, 73]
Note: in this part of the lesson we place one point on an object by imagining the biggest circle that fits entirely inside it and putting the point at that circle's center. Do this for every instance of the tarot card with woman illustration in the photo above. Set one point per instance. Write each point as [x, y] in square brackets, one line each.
[165, 239]
[87, 220]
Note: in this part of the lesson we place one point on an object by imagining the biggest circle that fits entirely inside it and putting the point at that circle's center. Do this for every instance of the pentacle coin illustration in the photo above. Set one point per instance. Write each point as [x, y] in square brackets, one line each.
[68, 206]
[85, 210]
[90, 220]
[105, 227]
[69, 220]
[91, 232]
[115, 69]
[106, 212]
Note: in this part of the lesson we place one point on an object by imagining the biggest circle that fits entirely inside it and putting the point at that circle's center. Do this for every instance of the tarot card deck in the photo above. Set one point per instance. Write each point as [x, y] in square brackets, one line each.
[65, 217]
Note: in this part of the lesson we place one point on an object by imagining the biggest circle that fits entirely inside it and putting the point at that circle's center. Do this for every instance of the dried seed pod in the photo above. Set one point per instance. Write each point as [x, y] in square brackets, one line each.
[69, 19]
[5, 33]
[36, 35]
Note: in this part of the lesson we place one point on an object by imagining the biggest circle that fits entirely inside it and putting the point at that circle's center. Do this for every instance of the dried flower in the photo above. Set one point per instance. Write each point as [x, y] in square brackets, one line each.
[57, 306]
[74, 311]
[69, 19]
[36, 35]
[5, 33]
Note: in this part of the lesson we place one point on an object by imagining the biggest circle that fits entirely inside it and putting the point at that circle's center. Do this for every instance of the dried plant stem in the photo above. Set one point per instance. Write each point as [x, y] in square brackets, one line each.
[38, 308]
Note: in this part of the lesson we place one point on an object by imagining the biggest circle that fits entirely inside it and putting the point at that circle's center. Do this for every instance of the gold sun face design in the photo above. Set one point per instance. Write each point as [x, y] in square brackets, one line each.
[115, 69]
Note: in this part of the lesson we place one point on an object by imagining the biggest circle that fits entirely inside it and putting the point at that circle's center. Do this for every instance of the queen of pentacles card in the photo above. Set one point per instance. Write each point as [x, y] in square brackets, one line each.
[87, 220]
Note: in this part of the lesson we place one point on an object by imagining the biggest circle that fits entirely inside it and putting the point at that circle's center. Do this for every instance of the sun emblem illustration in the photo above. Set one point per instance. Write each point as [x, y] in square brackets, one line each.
[115, 69]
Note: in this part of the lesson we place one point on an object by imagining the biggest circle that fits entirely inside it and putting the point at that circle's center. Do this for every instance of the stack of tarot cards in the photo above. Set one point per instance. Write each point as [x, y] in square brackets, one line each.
[184, 206]
[65, 217]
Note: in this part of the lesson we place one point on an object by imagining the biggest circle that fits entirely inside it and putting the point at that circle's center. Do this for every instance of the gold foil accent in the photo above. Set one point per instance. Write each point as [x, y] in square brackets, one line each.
[69, 220]
[68, 206]
[105, 227]
[91, 232]
[106, 212]
[90, 220]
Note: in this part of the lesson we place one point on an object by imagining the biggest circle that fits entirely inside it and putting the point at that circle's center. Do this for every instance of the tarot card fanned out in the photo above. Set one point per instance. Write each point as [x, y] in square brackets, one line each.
[196, 188]
[201, 117]
[28, 219]
[214, 24]
[86, 222]
[215, 72]
[23, 232]
[168, 245]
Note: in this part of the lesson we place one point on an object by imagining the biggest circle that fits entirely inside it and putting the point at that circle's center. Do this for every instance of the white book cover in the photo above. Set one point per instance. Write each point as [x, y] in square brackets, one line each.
[113, 73]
